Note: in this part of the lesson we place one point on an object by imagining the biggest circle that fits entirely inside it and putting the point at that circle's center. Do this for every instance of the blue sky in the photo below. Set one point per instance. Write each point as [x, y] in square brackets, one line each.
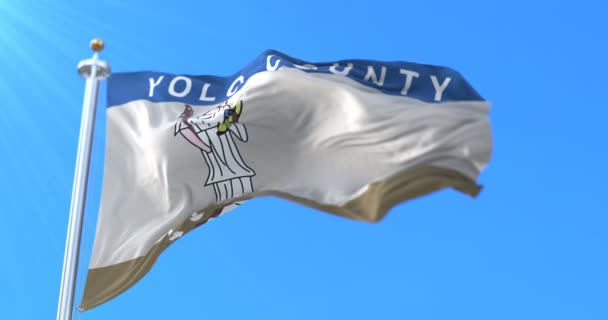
[532, 246]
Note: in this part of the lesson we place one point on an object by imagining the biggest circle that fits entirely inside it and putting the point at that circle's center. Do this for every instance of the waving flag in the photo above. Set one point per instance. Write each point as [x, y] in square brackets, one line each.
[351, 138]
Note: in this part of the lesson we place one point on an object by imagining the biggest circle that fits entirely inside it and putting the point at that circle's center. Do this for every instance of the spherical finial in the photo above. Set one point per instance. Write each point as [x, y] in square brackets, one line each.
[97, 45]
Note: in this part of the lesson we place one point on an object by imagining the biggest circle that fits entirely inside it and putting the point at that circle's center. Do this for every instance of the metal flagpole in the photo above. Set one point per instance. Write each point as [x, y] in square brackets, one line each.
[93, 70]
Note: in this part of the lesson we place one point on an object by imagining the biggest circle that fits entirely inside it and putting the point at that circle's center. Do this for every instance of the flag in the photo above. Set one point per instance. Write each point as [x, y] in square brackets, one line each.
[352, 138]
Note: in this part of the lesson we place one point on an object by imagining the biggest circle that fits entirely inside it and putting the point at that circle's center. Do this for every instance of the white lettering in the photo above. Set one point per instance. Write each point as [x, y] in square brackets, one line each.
[154, 84]
[196, 216]
[186, 89]
[344, 72]
[233, 87]
[174, 235]
[409, 75]
[269, 66]
[204, 93]
[306, 67]
[371, 75]
[440, 88]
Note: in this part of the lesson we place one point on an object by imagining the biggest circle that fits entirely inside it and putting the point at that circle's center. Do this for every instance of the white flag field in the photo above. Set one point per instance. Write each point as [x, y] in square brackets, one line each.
[352, 138]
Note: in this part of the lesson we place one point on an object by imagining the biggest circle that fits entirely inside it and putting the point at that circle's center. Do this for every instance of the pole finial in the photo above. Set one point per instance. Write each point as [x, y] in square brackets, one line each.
[101, 68]
[97, 45]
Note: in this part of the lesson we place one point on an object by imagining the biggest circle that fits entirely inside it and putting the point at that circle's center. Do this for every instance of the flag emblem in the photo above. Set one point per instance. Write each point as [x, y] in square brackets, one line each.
[214, 133]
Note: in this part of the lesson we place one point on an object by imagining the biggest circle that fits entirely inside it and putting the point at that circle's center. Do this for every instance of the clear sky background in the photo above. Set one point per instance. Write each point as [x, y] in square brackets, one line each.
[534, 245]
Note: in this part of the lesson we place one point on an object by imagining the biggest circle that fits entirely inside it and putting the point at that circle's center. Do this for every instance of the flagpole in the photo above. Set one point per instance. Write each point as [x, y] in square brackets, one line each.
[93, 70]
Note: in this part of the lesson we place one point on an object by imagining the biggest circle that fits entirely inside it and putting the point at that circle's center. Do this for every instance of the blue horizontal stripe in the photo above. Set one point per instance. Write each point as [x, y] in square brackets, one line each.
[427, 83]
